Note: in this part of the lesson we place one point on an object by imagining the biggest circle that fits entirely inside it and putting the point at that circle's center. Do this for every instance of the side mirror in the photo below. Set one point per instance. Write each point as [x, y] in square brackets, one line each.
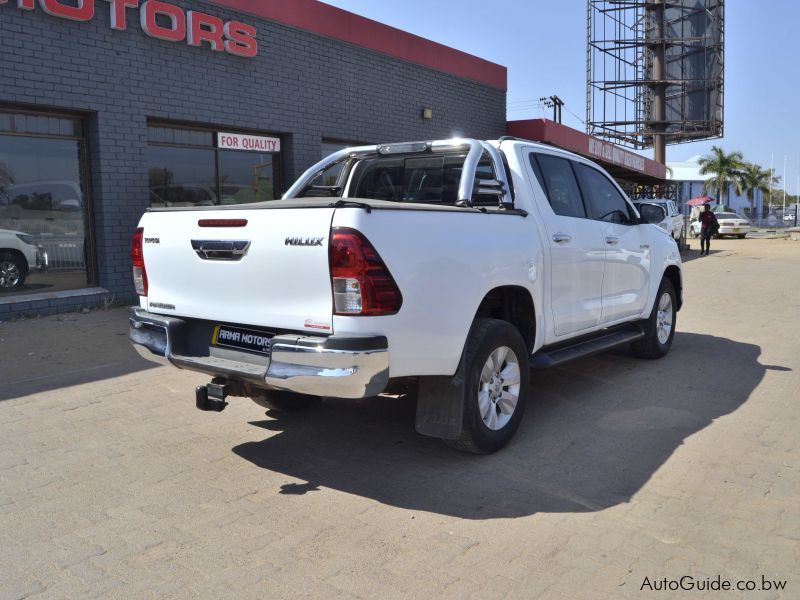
[67, 204]
[651, 213]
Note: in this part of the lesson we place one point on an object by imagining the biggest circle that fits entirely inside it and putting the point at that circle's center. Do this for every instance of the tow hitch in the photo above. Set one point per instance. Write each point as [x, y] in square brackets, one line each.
[211, 397]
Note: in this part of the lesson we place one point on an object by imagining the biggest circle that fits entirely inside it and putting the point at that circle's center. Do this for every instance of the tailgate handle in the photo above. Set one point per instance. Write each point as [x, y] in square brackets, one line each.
[221, 249]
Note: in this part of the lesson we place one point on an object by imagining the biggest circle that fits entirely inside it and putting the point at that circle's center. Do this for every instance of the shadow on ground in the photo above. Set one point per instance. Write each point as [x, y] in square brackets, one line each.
[594, 432]
[694, 254]
[51, 353]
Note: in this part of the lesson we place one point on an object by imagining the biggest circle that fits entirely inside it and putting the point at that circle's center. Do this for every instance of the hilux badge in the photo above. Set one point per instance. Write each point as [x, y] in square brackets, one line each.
[304, 241]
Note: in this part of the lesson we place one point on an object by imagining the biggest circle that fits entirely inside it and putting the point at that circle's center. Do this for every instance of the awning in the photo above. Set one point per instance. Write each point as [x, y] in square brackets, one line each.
[619, 162]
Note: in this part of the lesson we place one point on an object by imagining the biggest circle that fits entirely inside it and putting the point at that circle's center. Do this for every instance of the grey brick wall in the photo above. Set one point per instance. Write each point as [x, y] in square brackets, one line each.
[301, 85]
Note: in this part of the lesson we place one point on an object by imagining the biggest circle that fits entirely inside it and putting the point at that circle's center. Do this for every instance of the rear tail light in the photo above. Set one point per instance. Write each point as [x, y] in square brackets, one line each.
[137, 259]
[361, 282]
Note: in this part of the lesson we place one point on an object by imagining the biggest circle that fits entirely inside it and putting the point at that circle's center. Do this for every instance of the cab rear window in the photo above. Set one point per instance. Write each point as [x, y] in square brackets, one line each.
[429, 179]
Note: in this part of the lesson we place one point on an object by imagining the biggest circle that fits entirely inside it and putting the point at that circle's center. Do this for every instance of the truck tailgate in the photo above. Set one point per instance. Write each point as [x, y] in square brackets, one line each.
[271, 272]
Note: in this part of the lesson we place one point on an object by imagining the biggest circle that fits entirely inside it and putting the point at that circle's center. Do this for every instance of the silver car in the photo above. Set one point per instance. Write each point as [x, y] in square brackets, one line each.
[729, 224]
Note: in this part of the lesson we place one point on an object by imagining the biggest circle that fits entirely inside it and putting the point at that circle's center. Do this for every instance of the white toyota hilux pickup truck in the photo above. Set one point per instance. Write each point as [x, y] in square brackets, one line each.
[456, 265]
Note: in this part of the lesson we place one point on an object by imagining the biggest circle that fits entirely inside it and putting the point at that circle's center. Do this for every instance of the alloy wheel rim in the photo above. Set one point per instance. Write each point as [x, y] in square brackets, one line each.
[498, 388]
[664, 318]
[9, 274]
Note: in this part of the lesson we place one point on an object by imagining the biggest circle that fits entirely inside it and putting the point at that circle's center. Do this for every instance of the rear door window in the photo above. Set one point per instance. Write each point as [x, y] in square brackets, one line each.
[558, 181]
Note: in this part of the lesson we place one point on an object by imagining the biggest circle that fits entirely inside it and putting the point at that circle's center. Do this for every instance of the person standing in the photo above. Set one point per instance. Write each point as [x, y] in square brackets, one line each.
[708, 228]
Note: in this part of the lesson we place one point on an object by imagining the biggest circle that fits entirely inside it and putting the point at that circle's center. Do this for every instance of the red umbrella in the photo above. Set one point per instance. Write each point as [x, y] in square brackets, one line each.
[700, 200]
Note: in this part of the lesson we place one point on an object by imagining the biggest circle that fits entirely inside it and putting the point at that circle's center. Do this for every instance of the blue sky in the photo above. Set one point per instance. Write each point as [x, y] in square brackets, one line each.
[543, 44]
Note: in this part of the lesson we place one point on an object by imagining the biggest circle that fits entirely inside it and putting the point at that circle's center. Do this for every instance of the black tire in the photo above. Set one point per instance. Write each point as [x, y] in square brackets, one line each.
[12, 260]
[485, 337]
[650, 346]
[285, 401]
[741, 236]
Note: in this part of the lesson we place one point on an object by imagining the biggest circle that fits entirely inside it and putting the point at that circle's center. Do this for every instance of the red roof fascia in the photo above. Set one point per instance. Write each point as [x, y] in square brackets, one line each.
[330, 21]
[550, 132]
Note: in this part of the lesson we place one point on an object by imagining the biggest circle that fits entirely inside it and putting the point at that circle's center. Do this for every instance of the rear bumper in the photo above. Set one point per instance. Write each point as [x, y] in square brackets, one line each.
[340, 367]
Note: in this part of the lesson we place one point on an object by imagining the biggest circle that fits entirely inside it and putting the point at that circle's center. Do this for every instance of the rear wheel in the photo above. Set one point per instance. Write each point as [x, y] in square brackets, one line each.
[285, 401]
[13, 271]
[659, 328]
[496, 376]
[741, 236]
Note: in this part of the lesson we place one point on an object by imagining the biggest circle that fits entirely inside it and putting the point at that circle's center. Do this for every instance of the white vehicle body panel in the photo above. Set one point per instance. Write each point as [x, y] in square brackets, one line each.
[444, 268]
[626, 274]
[575, 259]
[273, 285]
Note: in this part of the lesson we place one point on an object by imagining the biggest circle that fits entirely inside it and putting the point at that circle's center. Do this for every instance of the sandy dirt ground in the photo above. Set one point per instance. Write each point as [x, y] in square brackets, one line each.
[624, 472]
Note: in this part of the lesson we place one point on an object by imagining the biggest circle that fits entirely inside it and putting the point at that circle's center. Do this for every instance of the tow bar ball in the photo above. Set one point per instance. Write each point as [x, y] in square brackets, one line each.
[211, 397]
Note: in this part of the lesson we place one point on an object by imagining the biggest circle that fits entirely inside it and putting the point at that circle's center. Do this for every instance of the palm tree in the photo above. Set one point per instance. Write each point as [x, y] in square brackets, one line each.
[725, 170]
[754, 178]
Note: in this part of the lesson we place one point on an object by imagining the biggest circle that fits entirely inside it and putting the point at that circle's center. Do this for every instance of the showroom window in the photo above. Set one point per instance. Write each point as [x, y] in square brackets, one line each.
[201, 167]
[44, 204]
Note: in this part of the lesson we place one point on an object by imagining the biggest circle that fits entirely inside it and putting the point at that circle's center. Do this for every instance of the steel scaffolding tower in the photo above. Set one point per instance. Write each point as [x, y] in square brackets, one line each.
[654, 71]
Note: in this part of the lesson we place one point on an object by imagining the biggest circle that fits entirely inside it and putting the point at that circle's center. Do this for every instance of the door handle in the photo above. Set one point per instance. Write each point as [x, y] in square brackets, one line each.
[612, 240]
[560, 238]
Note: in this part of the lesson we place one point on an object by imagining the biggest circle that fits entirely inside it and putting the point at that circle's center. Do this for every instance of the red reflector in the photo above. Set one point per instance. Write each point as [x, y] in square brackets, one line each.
[361, 281]
[222, 222]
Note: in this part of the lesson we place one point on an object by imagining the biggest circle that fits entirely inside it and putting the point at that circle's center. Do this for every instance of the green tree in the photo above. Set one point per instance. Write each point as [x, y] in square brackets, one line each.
[754, 178]
[725, 170]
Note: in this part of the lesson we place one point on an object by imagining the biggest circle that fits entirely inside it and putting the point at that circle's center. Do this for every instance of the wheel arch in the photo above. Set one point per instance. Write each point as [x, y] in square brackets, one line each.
[673, 273]
[513, 304]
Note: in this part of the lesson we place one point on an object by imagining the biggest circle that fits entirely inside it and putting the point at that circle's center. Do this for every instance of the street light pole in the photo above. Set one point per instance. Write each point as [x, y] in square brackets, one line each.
[797, 198]
[784, 188]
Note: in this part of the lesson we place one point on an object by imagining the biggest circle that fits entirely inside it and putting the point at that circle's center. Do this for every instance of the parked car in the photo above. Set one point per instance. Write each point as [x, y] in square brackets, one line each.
[673, 221]
[19, 255]
[454, 264]
[729, 224]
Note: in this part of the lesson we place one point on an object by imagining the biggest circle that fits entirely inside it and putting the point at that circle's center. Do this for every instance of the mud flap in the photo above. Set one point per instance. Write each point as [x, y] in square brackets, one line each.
[440, 406]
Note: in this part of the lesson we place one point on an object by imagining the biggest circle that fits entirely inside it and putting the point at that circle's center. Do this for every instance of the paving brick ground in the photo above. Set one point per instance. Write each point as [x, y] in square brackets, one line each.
[113, 485]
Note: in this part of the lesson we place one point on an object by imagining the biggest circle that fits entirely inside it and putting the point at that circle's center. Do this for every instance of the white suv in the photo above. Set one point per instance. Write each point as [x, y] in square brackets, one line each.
[19, 255]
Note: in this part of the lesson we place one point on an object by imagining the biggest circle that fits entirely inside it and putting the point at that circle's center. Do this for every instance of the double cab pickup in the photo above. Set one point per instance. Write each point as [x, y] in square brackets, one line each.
[458, 266]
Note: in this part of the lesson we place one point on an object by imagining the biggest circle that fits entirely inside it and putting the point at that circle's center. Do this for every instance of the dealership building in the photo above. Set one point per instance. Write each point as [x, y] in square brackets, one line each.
[108, 107]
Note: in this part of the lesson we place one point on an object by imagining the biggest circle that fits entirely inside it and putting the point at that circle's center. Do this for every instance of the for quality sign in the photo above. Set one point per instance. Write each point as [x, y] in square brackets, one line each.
[252, 143]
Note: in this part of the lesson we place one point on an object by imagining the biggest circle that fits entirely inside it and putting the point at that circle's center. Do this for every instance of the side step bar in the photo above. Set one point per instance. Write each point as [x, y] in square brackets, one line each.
[557, 355]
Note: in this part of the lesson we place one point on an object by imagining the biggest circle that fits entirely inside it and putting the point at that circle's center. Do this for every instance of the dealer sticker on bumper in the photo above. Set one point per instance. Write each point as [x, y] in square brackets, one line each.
[242, 339]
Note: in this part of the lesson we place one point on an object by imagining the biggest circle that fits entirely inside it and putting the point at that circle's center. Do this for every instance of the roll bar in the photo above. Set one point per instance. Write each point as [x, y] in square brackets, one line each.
[468, 186]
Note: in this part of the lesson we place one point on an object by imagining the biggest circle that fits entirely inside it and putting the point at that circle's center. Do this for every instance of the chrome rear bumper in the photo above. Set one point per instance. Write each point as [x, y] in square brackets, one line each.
[340, 367]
